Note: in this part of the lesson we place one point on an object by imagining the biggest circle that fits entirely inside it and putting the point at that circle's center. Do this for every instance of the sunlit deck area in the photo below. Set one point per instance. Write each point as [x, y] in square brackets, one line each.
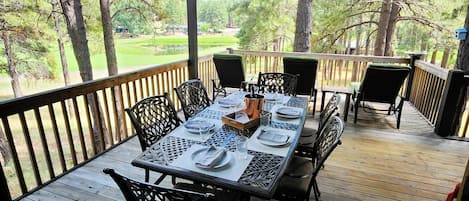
[374, 162]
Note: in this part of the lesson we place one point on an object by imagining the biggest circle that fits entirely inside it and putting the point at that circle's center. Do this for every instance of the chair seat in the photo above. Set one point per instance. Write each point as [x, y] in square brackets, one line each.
[295, 182]
[219, 194]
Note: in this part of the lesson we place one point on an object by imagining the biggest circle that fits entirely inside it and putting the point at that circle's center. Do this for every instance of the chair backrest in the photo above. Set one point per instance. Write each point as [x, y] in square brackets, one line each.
[284, 83]
[331, 108]
[229, 69]
[327, 141]
[193, 97]
[382, 82]
[306, 68]
[153, 118]
[139, 191]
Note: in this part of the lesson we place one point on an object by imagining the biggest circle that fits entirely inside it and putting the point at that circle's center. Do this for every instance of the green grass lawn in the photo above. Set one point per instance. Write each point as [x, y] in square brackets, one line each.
[141, 51]
[132, 54]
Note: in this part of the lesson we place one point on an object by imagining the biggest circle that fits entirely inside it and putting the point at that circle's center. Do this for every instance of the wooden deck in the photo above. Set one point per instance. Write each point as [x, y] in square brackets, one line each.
[375, 162]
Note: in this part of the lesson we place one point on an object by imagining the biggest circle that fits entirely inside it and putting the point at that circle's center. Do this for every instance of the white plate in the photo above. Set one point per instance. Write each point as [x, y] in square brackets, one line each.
[285, 115]
[209, 125]
[273, 144]
[229, 102]
[272, 97]
[198, 153]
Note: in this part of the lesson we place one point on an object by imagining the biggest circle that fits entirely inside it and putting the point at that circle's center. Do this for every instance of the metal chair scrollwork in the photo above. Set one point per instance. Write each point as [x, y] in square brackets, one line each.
[277, 83]
[193, 97]
[153, 118]
[300, 177]
[138, 191]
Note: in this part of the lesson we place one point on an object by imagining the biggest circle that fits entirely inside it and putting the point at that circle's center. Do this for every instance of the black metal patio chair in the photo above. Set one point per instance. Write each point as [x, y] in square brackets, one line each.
[305, 147]
[300, 176]
[306, 69]
[139, 191]
[284, 83]
[230, 73]
[153, 118]
[193, 97]
[381, 84]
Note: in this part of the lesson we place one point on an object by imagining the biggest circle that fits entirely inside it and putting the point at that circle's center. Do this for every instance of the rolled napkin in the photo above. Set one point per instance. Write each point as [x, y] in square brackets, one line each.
[288, 111]
[211, 157]
[271, 136]
[198, 124]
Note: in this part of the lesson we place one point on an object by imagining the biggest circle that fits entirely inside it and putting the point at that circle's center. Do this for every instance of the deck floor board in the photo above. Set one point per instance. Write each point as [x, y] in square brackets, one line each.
[376, 161]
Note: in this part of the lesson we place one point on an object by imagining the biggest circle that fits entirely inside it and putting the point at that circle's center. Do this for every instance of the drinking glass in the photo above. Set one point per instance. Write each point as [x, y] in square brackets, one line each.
[242, 146]
[265, 118]
[203, 132]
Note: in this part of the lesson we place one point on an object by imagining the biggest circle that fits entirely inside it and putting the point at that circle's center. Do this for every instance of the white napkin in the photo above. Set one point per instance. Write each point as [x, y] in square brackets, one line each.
[271, 136]
[198, 124]
[211, 157]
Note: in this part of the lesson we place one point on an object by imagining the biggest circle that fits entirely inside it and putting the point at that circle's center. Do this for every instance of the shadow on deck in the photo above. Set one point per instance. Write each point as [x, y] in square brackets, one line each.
[374, 162]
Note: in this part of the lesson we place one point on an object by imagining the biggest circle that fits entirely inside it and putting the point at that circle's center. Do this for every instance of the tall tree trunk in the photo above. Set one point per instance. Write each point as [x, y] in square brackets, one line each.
[395, 9]
[15, 83]
[444, 60]
[463, 53]
[77, 32]
[112, 62]
[108, 38]
[368, 36]
[382, 27]
[358, 41]
[60, 42]
[433, 59]
[58, 30]
[302, 41]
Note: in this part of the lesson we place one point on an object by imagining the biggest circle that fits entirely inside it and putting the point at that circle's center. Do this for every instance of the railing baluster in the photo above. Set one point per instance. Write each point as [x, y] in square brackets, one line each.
[45, 146]
[90, 125]
[108, 117]
[14, 154]
[134, 86]
[69, 133]
[80, 129]
[29, 145]
[58, 141]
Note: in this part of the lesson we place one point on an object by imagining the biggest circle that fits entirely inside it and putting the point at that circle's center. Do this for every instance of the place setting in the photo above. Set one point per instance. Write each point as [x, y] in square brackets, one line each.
[271, 140]
[197, 129]
[214, 161]
[287, 114]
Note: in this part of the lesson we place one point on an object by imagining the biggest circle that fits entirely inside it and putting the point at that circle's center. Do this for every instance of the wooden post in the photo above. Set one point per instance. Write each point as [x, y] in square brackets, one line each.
[4, 191]
[414, 56]
[451, 104]
[192, 36]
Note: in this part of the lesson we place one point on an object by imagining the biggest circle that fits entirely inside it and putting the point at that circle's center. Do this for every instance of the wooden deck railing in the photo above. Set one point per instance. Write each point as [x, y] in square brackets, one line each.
[52, 132]
[334, 70]
[427, 89]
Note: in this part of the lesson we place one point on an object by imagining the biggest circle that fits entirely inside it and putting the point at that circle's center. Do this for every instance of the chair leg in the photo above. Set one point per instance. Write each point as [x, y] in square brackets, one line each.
[315, 183]
[399, 113]
[314, 103]
[315, 190]
[147, 175]
[357, 103]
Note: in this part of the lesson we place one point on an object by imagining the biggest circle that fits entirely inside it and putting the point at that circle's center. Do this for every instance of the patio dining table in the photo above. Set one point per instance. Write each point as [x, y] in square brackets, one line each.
[258, 174]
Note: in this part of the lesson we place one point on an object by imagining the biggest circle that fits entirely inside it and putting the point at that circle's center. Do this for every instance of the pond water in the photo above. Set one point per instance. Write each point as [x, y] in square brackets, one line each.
[172, 49]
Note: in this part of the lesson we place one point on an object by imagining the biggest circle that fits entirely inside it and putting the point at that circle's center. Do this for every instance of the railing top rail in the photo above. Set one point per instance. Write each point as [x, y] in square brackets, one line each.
[16, 105]
[433, 69]
[375, 59]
